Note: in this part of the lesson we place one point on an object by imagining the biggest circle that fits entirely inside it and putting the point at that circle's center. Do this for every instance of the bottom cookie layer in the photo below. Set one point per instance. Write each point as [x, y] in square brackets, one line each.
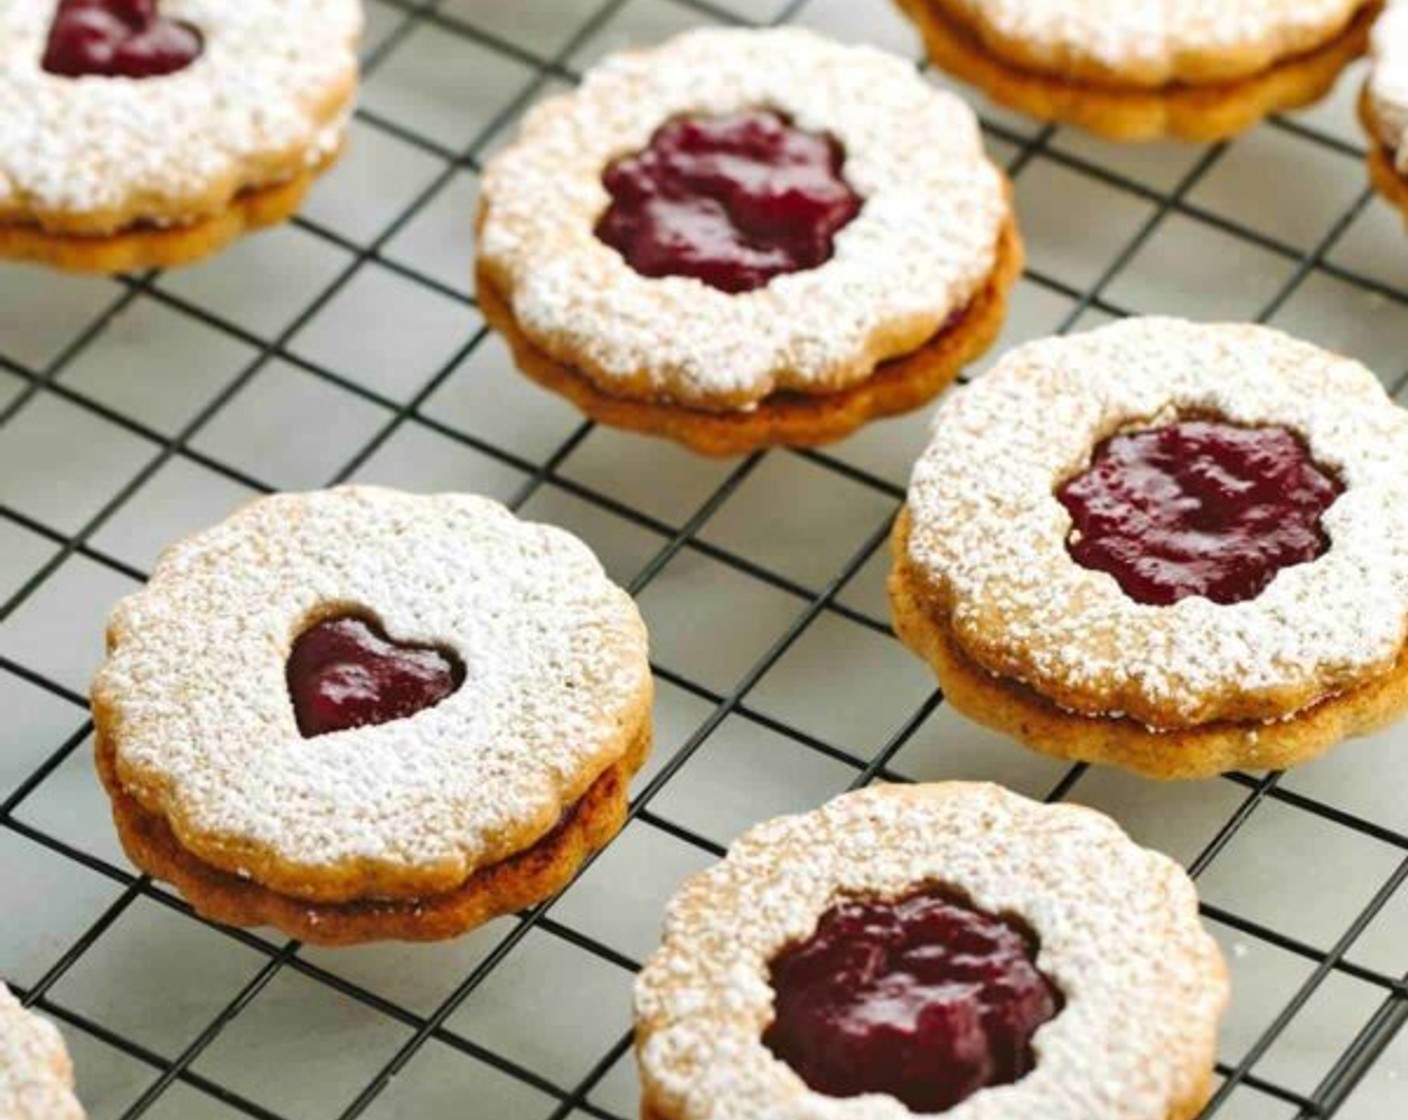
[503, 888]
[784, 419]
[1186, 112]
[138, 249]
[1185, 1111]
[1200, 752]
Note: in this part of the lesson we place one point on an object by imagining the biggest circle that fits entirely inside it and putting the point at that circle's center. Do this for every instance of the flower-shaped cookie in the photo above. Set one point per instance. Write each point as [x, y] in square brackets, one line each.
[36, 1076]
[1175, 547]
[1144, 69]
[948, 948]
[135, 134]
[358, 713]
[745, 238]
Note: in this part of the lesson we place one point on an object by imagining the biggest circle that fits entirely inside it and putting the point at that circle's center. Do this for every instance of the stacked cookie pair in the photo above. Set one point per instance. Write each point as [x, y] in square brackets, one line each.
[1187, 69]
[746, 239]
[360, 714]
[1142, 70]
[136, 134]
[1176, 548]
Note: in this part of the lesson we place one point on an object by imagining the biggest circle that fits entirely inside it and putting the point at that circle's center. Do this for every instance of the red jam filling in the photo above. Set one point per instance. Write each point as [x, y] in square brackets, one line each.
[927, 1000]
[730, 200]
[1199, 507]
[118, 39]
[346, 673]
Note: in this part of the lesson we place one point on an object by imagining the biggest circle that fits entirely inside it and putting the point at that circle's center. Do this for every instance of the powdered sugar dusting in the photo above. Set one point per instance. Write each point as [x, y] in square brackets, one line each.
[1118, 927]
[36, 1079]
[988, 531]
[274, 76]
[195, 700]
[920, 249]
[1388, 81]
[1156, 42]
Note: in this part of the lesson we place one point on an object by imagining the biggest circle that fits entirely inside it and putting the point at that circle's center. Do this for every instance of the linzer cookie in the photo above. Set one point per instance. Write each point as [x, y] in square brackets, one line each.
[747, 238]
[36, 1076]
[1177, 548]
[1146, 69]
[1383, 107]
[910, 950]
[361, 714]
[139, 134]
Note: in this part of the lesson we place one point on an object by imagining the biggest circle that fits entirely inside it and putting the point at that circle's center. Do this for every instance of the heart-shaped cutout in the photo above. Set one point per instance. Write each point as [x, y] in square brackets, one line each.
[345, 672]
[118, 39]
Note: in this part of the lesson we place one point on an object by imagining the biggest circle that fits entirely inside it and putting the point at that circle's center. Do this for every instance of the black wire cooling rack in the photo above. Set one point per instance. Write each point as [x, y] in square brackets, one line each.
[1120, 208]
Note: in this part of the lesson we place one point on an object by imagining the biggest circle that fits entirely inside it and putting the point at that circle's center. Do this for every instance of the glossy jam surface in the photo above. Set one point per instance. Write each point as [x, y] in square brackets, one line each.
[730, 200]
[117, 39]
[926, 999]
[1199, 508]
[345, 672]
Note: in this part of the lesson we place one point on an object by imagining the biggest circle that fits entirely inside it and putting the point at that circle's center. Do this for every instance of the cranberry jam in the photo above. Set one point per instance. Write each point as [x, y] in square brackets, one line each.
[730, 200]
[117, 39]
[926, 999]
[1199, 508]
[346, 673]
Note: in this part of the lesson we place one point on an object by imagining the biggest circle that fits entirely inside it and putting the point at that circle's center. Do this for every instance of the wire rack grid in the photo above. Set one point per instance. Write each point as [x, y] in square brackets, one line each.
[347, 346]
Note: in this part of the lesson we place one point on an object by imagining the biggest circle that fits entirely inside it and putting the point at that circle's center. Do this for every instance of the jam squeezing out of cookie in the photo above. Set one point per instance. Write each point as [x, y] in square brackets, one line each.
[346, 672]
[732, 200]
[926, 999]
[1199, 508]
[118, 39]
